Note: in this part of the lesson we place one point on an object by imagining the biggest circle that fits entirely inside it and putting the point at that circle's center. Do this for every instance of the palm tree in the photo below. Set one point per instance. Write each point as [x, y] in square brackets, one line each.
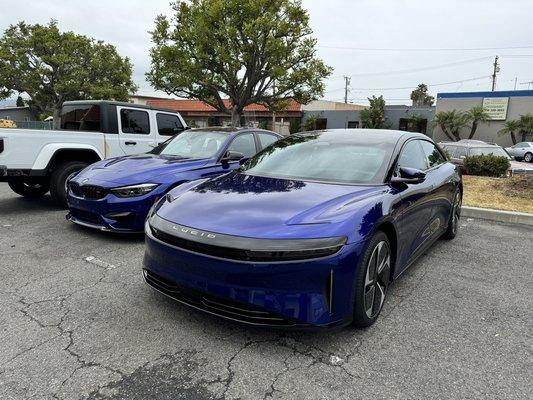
[476, 115]
[510, 128]
[526, 126]
[451, 123]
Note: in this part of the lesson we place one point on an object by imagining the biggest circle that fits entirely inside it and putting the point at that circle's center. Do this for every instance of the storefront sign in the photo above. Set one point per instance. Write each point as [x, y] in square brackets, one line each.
[496, 107]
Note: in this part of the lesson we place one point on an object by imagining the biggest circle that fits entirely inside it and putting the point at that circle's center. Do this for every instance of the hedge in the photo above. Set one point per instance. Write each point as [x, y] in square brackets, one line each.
[487, 165]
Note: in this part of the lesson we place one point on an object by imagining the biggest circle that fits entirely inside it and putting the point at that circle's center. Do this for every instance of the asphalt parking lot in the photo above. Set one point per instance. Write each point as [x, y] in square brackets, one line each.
[77, 321]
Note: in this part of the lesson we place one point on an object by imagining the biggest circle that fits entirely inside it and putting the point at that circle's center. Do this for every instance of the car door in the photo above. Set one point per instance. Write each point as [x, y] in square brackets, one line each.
[414, 210]
[442, 194]
[134, 130]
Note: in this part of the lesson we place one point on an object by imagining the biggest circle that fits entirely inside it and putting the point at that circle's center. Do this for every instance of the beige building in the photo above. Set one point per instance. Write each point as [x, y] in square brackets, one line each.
[502, 106]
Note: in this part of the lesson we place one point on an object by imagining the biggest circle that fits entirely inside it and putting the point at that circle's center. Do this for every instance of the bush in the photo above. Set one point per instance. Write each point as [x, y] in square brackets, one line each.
[487, 165]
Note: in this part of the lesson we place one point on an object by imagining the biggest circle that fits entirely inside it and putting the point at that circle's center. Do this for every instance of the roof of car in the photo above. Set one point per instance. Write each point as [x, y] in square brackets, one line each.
[469, 144]
[230, 130]
[379, 135]
[117, 103]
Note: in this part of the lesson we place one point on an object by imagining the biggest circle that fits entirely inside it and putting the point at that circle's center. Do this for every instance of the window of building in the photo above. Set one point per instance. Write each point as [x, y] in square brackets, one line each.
[353, 124]
[168, 124]
[135, 121]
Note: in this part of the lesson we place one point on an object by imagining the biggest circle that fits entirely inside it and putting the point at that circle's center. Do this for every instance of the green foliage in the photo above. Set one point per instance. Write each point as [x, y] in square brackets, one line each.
[476, 115]
[52, 67]
[420, 96]
[451, 123]
[310, 123]
[526, 126]
[487, 165]
[263, 124]
[250, 51]
[373, 117]
[294, 126]
[510, 128]
[20, 102]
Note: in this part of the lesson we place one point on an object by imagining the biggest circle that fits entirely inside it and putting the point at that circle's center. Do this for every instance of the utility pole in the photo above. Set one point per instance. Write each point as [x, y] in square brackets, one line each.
[273, 112]
[495, 71]
[515, 80]
[347, 80]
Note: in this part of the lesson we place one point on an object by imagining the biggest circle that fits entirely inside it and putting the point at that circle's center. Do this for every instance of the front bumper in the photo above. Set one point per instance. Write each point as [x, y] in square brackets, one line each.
[111, 214]
[316, 292]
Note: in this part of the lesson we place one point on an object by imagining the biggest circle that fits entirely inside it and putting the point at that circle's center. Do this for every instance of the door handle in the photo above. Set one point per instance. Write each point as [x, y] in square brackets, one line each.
[130, 143]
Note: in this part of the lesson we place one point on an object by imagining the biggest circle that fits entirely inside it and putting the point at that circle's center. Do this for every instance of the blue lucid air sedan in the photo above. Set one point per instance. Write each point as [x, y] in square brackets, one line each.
[116, 194]
[310, 232]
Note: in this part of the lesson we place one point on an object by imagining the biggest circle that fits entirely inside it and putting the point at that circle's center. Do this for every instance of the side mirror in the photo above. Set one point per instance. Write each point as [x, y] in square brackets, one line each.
[232, 156]
[409, 175]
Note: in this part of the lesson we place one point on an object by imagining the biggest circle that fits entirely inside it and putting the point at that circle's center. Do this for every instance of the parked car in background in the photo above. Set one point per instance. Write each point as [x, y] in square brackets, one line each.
[521, 151]
[34, 162]
[458, 151]
[311, 231]
[116, 194]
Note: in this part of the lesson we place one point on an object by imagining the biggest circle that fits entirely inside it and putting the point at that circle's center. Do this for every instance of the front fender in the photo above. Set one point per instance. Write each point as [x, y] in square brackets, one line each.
[48, 151]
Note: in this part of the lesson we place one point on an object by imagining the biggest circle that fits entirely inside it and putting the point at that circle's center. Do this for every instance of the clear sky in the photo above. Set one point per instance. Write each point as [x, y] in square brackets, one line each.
[368, 40]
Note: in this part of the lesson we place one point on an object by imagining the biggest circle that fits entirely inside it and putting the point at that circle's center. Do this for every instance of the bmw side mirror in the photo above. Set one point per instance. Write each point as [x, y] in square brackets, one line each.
[232, 156]
[409, 175]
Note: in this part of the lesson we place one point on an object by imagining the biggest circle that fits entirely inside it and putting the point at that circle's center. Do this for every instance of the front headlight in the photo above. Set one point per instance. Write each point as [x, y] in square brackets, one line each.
[134, 190]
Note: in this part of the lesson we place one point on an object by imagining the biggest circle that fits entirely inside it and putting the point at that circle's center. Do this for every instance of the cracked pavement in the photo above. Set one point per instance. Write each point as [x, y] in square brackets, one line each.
[77, 322]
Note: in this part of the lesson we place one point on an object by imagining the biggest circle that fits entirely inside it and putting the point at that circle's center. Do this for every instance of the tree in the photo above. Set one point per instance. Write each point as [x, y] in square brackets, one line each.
[373, 117]
[420, 96]
[476, 115]
[20, 102]
[52, 67]
[451, 123]
[526, 126]
[250, 51]
[510, 128]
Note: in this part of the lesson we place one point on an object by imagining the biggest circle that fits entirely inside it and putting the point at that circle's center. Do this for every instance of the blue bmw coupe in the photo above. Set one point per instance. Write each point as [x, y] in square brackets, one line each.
[309, 232]
[116, 194]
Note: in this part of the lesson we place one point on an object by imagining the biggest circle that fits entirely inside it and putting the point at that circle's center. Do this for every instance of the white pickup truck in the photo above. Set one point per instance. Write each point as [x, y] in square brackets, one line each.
[34, 162]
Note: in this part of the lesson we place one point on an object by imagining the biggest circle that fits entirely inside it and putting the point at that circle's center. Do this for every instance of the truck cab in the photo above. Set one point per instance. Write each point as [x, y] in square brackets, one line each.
[34, 162]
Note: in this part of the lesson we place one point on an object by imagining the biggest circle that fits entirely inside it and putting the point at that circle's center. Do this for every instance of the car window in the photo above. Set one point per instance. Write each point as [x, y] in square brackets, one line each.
[82, 117]
[168, 125]
[524, 144]
[266, 139]
[483, 151]
[460, 152]
[135, 121]
[433, 155]
[244, 144]
[412, 156]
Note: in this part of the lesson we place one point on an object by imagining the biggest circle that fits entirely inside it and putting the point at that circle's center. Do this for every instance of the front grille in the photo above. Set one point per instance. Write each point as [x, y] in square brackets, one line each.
[90, 192]
[235, 310]
[86, 216]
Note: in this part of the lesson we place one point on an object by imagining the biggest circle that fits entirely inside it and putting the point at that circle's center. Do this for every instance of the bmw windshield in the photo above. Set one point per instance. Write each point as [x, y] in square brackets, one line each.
[193, 144]
[325, 157]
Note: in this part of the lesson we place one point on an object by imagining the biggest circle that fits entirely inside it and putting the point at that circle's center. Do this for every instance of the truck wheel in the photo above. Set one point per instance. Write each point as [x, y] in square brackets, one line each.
[58, 180]
[29, 189]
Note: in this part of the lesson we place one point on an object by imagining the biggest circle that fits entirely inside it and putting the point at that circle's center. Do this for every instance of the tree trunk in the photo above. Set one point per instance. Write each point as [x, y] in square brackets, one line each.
[445, 131]
[235, 117]
[57, 118]
[473, 130]
[524, 135]
[513, 137]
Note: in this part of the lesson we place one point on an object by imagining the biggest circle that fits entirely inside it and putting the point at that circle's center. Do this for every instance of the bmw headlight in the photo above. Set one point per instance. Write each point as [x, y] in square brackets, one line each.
[134, 190]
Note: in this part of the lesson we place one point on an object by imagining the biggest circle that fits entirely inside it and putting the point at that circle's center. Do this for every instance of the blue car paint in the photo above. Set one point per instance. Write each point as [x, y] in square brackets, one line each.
[270, 208]
[167, 172]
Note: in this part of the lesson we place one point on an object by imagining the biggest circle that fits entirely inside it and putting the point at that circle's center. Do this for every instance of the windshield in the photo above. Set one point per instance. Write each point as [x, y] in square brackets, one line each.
[193, 144]
[483, 151]
[325, 157]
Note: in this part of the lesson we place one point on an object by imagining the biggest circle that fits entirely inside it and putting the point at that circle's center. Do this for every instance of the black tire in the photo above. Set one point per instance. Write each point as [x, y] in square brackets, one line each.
[455, 215]
[31, 190]
[58, 180]
[528, 157]
[367, 270]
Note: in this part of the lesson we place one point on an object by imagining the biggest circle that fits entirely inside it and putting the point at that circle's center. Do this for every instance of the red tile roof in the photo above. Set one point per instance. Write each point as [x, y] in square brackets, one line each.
[200, 106]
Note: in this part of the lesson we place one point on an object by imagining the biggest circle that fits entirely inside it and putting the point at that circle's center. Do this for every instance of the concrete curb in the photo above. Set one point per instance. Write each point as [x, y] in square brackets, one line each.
[510, 217]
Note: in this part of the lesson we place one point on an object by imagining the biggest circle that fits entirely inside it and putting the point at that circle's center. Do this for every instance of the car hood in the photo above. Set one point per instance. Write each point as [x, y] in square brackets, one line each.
[253, 206]
[141, 168]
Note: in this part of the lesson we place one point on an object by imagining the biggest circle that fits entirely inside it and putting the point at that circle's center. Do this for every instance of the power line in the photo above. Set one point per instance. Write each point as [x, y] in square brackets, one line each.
[413, 70]
[425, 49]
[429, 85]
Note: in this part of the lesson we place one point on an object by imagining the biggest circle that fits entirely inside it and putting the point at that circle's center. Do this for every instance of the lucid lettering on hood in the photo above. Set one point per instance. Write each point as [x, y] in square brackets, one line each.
[194, 232]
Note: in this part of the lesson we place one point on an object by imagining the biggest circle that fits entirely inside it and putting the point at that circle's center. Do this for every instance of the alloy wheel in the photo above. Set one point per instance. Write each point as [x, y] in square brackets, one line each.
[377, 279]
[528, 157]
